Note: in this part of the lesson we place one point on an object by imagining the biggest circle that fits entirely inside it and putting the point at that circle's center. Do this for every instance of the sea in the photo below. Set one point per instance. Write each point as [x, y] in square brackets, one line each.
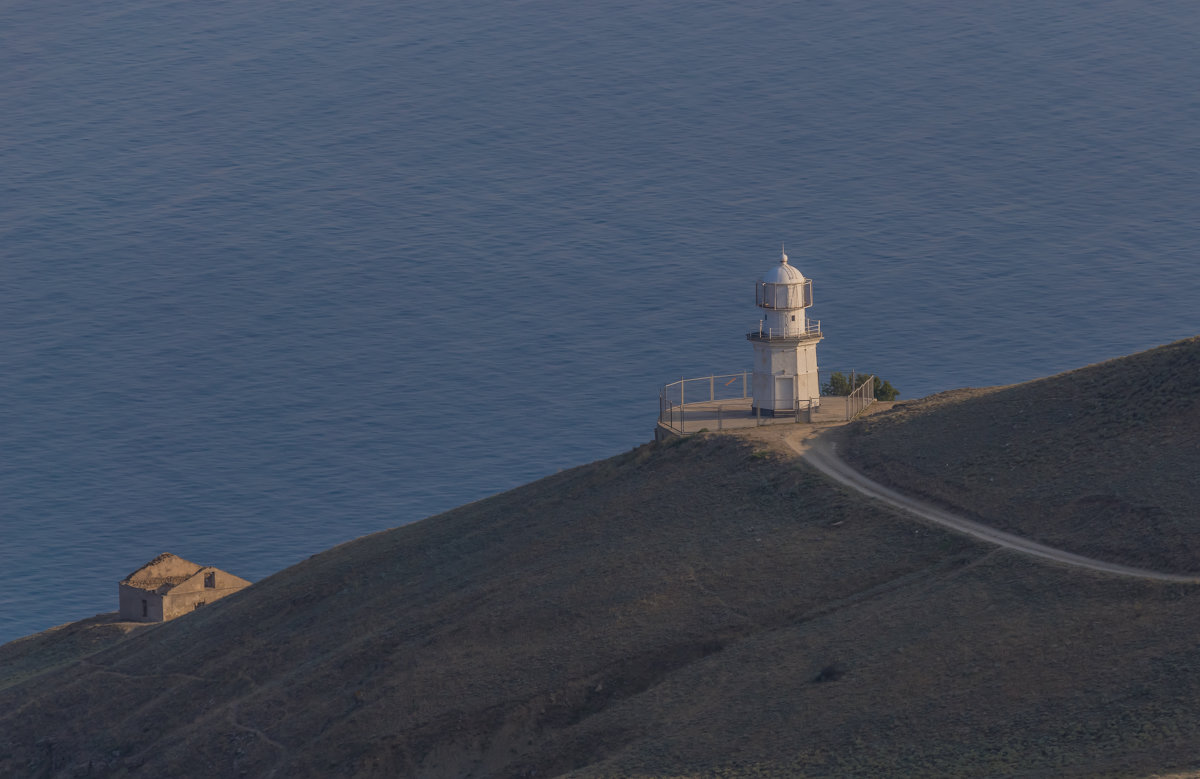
[277, 275]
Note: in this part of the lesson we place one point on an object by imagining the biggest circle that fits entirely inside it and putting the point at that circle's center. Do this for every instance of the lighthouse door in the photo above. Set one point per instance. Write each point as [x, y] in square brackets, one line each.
[785, 393]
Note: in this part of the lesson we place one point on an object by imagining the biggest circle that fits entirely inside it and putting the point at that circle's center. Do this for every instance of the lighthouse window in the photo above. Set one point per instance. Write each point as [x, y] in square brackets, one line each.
[793, 317]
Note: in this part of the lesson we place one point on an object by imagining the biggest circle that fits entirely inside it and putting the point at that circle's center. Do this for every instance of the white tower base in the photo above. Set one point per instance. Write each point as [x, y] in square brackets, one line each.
[785, 373]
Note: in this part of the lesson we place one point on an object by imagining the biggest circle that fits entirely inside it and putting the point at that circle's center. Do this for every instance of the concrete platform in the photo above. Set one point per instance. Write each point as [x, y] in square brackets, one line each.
[737, 413]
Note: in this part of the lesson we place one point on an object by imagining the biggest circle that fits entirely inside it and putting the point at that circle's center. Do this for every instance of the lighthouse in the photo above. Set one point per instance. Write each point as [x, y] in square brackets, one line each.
[785, 344]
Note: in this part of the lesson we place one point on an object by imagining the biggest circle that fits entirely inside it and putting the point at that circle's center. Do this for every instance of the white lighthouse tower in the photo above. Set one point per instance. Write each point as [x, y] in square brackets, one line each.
[785, 346]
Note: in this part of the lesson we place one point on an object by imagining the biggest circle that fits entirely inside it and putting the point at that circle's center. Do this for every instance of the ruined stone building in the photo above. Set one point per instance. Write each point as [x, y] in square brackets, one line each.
[169, 586]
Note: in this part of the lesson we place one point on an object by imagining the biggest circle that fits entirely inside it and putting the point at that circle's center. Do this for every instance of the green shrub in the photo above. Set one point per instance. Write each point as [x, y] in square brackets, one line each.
[840, 384]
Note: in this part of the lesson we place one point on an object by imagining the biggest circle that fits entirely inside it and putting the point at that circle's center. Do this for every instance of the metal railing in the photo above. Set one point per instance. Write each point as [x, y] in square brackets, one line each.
[860, 398]
[809, 330]
[673, 398]
[783, 296]
[708, 388]
[724, 400]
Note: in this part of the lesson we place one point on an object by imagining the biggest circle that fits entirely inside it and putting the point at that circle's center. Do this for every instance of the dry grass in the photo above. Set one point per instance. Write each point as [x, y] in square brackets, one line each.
[698, 608]
[1102, 461]
[34, 655]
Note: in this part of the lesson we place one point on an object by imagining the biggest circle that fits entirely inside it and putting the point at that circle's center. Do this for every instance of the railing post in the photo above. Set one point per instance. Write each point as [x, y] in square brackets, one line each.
[712, 388]
[743, 385]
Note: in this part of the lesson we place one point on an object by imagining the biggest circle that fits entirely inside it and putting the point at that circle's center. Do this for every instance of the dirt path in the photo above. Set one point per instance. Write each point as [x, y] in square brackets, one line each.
[821, 452]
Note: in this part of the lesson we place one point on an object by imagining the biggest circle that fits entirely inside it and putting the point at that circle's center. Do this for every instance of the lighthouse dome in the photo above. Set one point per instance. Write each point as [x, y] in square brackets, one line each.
[783, 273]
[784, 287]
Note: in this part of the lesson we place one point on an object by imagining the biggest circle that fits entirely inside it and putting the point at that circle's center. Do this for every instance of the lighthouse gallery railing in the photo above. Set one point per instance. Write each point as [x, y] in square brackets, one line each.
[811, 328]
[727, 386]
[674, 398]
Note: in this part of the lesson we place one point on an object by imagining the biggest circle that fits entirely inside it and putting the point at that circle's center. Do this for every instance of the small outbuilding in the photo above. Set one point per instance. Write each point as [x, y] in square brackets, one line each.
[169, 586]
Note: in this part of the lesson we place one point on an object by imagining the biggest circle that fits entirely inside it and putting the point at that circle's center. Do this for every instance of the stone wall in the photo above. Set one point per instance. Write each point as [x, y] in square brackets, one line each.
[205, 586]
[130, 600]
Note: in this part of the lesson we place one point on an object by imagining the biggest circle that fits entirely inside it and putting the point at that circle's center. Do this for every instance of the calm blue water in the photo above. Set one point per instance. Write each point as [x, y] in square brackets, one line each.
[274, 275]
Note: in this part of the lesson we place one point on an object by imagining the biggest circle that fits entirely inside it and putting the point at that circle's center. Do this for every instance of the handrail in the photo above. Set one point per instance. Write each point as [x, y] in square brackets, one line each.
[862, 396]
[793, 299]
[668, 408]
[714, 376]
[674, 399]
[811, 329]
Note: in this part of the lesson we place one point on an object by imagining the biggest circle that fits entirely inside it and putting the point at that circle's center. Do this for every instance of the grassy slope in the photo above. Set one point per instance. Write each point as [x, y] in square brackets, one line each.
[1102, 461]
[490, 636]
[33, 655]
[699, 608]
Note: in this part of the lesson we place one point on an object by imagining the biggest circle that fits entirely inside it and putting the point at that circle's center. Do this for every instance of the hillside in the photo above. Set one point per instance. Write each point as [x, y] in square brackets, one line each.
[33, 655]
[704, 607]
[1102, 461]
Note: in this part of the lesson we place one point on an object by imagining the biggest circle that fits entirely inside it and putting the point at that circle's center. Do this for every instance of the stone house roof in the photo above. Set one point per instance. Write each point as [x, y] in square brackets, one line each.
[162, 573]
